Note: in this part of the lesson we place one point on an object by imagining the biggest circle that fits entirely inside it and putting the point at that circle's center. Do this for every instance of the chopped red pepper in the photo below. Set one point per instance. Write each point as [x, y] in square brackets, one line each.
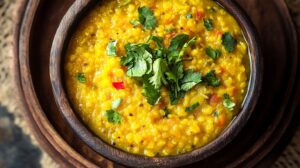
[118, 85]
[214, 99]
[199, 15]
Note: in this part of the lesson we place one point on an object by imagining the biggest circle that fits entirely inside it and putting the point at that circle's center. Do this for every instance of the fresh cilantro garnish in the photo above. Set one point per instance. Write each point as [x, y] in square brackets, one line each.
[160, 66]
[80, 77]
[186, 45]
[211, 79]
[192, 107]
[208, 23]
[213, 53]
[152, 94]
[111, 48]
[189, 16]
[135, 22]
[229, 42]
[175, 95]
[147, 18]
[138, 60]
[178, 46]
[190, 80]
[123, 2]
[116, 103]
[228, 103]
[178, 41]
[113, 117]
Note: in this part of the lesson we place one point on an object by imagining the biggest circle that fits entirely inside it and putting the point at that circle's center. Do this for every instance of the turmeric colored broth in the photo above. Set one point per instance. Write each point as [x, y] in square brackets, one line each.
[95, 80]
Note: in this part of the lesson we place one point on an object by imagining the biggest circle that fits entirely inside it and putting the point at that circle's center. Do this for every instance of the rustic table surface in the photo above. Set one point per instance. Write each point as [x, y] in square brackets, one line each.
[16, 141]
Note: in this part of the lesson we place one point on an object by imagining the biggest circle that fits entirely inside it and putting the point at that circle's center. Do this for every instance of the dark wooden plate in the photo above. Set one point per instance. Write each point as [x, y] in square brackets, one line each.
[258, 144]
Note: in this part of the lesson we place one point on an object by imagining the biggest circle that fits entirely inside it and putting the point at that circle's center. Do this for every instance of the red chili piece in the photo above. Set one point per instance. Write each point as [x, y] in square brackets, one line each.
[118, 85]
[199, 15]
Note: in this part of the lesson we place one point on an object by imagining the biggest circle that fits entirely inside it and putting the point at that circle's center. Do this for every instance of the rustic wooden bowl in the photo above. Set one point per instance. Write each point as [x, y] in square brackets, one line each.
[66, 28]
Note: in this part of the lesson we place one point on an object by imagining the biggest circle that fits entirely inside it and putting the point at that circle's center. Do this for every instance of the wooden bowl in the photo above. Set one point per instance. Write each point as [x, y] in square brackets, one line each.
[68, 25]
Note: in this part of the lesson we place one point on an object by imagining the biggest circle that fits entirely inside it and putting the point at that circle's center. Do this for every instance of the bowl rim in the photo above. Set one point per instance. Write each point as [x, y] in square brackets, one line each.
[60, 42]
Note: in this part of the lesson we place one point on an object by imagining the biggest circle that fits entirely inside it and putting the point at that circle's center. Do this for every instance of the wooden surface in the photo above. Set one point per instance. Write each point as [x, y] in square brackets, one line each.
[273, 120]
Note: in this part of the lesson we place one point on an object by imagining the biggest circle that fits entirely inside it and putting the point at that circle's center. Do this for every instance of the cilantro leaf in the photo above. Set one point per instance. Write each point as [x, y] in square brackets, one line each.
[190, 80]
[147, 18]
[113, 117]
[228, 103]
[159, 68]
[138, 69]
[175, 75]
[178, 47]
[111, 48]
[175, 95]
[208, 23]
[213, 53]
[116, 103]
[178, 41]
[211, 79]
[192, 107]
[229, 42]
[186, 45]
[189, 16]
[152, 94]
[138, 60]
[80, 77]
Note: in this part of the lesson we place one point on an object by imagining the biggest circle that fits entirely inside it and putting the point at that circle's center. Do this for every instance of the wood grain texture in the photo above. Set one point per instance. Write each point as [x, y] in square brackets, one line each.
[273, 120]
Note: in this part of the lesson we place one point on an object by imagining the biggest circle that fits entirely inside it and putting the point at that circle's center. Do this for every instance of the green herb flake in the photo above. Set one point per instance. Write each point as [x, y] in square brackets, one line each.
[138, 60]
[152, 94]
[111, 48]
[211, 79]
[213, 53]
[81, 77]
[113, 117]
[178, 41]
[190, 80]
[116, 103]
[192, 107]
[229, 42]
[189, 16]
[147, 18]
[186, 45]
[159, 68]
[228, 103]
[135, 22]
[208, 24]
